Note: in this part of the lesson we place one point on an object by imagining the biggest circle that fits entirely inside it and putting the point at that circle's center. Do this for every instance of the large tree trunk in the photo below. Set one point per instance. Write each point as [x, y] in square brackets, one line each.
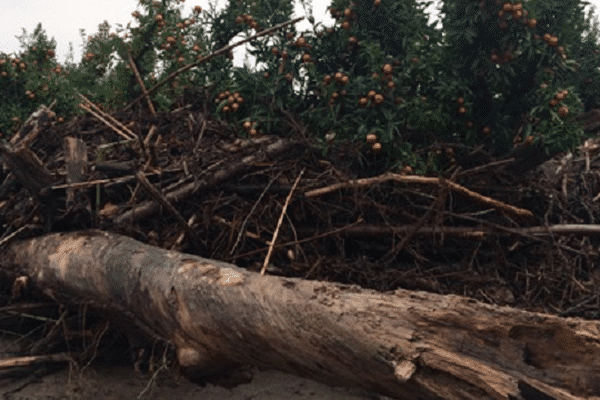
[407, 345]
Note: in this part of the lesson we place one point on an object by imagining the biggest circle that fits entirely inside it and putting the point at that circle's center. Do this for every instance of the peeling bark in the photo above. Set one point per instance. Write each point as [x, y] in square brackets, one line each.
[403, 344]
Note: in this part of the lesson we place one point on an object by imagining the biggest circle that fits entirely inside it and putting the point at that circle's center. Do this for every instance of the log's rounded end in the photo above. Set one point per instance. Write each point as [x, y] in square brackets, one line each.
[189, 357]
[197, 361]
[199, 368]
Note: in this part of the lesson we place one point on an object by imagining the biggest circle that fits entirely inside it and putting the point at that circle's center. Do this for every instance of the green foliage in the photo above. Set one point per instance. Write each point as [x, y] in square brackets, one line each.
[586, 80]
[380, 69]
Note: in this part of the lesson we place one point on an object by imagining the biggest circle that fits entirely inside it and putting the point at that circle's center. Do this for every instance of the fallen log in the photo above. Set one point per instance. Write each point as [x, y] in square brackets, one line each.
[402, 344]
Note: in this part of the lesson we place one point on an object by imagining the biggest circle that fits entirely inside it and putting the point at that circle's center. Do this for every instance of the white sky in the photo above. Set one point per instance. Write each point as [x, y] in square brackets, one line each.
[62, 19]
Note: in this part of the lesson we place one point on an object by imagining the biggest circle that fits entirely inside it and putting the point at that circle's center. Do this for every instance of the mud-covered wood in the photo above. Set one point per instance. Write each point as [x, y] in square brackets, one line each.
[408, 345]
[77, 163]
[27, 168]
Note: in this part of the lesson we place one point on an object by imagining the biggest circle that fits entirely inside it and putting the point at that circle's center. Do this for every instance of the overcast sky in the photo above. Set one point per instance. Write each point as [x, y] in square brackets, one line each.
[62, 19]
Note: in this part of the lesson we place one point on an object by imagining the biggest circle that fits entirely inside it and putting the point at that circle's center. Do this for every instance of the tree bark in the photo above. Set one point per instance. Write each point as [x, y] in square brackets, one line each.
[403, 344]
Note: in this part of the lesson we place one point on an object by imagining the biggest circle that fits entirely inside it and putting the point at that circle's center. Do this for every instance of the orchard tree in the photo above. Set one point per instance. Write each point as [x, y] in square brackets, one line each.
[381, 80]
[515, 63]
[586, 51]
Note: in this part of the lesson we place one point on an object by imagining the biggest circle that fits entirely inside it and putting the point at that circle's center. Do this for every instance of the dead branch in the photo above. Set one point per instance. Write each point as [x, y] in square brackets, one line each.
[33, 360]
[142, 210]
[476, 197]
[276, 233]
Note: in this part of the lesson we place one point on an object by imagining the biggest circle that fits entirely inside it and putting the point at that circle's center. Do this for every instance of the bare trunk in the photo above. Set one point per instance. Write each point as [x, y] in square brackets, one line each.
[407, 345]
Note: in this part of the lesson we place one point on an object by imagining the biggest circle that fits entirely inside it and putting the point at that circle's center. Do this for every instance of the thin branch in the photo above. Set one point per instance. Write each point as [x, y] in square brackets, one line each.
[276, 233]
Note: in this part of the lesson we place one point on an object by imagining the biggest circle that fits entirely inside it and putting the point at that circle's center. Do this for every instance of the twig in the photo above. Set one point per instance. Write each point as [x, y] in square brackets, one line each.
[200, 135]
[243, 227]
[483, 167]
[276, 233]
[122, 179]
[141, 83]
[14, 234]
[34, 360]
[106, 116]
[165, 203]
[487, 201]
[393, 253]
[333, 232]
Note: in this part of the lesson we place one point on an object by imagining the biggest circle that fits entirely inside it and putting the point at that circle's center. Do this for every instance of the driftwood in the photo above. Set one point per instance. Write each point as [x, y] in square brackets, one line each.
[407, 345]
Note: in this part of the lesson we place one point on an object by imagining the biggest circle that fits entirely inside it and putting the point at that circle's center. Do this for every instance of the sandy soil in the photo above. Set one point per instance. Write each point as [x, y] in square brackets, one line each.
[122, 383]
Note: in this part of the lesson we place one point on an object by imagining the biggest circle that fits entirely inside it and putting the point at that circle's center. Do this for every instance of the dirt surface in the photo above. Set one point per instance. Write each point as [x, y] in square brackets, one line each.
[107, 381]
[121, 383]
